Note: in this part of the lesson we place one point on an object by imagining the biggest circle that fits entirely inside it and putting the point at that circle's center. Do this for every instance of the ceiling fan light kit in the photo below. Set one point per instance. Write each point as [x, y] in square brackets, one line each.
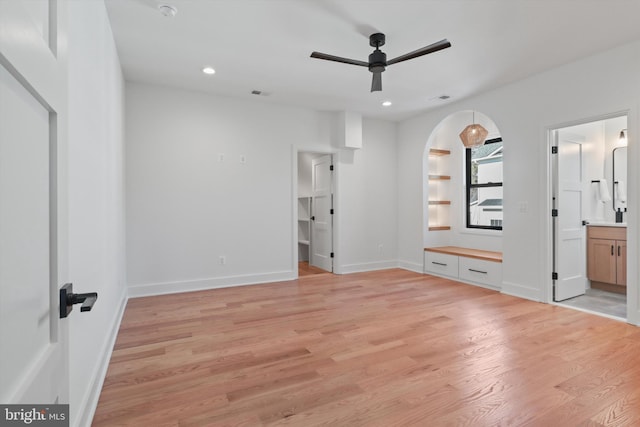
[378, 59]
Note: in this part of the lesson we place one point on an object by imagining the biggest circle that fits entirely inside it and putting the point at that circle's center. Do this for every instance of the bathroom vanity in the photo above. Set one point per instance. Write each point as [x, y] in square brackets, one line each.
[607, 257]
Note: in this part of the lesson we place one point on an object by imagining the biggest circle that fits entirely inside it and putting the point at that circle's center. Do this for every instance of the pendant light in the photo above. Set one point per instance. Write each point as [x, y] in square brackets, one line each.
[473, 135]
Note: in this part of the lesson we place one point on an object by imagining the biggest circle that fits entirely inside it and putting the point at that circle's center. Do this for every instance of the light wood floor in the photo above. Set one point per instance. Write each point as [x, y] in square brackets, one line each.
[385, 349]
[305, 269]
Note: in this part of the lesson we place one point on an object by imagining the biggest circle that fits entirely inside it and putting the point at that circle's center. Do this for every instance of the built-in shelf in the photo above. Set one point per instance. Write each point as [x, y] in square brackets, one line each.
[438, 152]
[438, 214]
[304, 227]
[439, 177]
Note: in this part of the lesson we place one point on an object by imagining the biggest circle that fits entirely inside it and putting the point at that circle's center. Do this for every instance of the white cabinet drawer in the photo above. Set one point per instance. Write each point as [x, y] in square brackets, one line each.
[479, 271]
[446, 265]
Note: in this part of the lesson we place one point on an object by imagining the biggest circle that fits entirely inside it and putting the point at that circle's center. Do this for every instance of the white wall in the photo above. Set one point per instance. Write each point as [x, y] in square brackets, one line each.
[186, 208]
[524, 111]
[367, 201]
[96, 200]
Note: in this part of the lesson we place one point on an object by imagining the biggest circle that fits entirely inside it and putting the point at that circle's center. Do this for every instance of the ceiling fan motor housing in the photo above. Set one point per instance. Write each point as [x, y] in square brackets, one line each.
[377, 61]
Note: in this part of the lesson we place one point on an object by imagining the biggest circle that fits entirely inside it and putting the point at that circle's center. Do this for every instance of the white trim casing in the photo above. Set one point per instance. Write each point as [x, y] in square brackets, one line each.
[89, 401]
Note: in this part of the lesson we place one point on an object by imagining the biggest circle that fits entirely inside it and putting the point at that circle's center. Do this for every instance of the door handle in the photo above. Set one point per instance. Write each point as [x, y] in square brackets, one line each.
[618, 250]
[68, 299]
[313, 218]
[477, 271]
[611, 249]
[438, 263]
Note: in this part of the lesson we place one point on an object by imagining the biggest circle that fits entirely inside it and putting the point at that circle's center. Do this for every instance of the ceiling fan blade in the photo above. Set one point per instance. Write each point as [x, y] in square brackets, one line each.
[376, 82]
[328, 57]
[442, 44]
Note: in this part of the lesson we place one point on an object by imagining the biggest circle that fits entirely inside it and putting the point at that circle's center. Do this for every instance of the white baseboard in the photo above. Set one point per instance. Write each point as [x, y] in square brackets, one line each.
[520, 291]
[90, 399]
[411, 266]
[466, 282]
[151, 289]
[367, 266]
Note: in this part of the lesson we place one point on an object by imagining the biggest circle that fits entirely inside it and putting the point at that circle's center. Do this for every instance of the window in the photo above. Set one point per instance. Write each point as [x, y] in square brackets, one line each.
[484, 185]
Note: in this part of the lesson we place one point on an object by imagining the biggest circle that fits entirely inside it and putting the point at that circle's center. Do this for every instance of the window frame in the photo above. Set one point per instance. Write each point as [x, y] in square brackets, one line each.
[469, 187]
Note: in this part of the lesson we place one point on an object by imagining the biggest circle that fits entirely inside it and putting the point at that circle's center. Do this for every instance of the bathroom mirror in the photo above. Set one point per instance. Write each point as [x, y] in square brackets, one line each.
[619, 194]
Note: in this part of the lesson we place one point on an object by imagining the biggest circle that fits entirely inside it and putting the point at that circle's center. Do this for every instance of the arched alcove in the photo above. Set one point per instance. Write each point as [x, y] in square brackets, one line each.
[444, 184]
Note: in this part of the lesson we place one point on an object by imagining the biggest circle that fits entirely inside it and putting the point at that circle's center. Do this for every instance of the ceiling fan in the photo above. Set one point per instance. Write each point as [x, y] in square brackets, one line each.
[378, 59]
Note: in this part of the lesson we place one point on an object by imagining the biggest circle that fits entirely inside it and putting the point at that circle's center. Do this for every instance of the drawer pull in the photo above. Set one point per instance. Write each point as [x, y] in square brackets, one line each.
[438, 263]
[611, 250]
[477, 271]
[618, 250]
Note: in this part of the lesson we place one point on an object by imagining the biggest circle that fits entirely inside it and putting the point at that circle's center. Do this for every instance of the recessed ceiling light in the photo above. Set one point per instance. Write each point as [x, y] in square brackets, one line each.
[167, 10]
[208, 70]
[386, 104]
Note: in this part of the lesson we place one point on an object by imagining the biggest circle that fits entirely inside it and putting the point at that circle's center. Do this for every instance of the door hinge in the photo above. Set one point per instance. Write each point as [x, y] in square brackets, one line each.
[331, 255]
[554, 212]
[331, 211]
[554, 150]
[330, 167]
[554, 276]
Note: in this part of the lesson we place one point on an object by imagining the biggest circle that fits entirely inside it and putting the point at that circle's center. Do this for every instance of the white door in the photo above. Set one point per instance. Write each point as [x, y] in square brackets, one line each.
[33, 255]
[570, 263]
[322, 217]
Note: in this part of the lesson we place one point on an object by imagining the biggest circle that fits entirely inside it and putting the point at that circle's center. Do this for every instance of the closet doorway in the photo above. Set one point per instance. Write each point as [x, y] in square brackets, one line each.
[315, 213]
[589, 209]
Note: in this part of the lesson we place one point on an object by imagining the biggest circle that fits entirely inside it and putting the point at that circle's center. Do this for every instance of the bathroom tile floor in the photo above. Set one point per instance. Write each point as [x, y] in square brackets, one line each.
[600, 301]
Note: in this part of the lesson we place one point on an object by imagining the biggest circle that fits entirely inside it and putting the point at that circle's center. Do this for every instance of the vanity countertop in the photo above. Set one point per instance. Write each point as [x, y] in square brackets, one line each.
[607, 224]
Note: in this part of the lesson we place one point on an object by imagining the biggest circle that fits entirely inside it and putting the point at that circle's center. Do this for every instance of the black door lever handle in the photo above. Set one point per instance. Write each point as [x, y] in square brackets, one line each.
[68, 299]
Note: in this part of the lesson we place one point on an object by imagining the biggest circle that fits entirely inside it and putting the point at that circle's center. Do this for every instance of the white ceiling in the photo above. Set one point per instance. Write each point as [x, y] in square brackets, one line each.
[265, 45]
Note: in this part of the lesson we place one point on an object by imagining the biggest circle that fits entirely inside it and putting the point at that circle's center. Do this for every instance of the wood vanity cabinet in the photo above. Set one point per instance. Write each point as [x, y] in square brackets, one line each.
[607, 257]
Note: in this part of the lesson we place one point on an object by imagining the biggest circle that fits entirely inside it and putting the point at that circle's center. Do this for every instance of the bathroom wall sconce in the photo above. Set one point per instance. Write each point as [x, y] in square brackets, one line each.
[622, 140]
[474, 134]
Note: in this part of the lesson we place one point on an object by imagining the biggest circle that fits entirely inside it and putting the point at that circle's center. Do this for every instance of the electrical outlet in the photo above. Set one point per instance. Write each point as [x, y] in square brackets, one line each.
[523, 207]
[223, 260]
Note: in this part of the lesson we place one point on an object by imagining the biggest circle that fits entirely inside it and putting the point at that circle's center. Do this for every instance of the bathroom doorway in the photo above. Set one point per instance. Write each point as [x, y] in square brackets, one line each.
[589, 207]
